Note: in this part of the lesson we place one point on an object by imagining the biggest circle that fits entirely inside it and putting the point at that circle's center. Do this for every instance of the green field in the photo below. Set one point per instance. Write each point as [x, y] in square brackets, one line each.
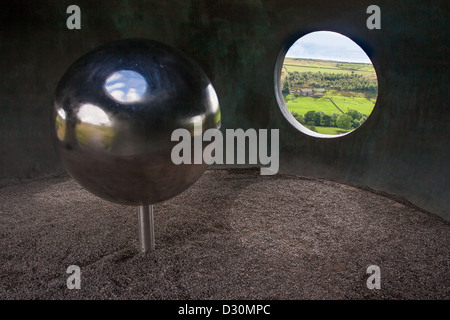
[330, 130]
[304, 65]
[302, 105]
[347, 86]
[356, 101]
[292, 68]
[328, 64]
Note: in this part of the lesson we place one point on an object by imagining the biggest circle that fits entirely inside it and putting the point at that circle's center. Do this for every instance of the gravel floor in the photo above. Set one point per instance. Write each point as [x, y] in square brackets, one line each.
[233, 235]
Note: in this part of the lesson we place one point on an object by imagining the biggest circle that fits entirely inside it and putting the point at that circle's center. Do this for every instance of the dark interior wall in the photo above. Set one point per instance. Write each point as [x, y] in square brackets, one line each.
[402, 148]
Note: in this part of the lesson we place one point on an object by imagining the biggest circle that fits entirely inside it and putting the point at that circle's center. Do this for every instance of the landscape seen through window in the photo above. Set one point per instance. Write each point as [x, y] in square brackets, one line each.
[328, 83]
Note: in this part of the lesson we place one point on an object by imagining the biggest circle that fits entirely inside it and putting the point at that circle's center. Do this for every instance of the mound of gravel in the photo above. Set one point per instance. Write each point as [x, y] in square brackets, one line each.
[233, 235]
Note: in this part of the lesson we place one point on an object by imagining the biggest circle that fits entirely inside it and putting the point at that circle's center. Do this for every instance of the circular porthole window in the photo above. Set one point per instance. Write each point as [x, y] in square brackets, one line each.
[326, 84]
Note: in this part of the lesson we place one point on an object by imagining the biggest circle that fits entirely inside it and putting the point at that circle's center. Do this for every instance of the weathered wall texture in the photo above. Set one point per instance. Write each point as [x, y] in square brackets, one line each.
[402, 148]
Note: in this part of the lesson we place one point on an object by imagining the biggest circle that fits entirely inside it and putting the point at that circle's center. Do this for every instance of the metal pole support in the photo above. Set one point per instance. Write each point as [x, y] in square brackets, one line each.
[146, 228]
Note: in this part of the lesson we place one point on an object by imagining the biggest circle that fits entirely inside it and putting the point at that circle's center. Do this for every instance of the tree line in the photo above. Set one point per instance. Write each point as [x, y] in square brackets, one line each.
[339, 81]
[350, 119]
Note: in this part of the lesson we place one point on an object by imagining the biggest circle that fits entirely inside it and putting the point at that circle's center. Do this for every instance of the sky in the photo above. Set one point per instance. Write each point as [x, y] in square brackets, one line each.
[326, 45]
[126, 86]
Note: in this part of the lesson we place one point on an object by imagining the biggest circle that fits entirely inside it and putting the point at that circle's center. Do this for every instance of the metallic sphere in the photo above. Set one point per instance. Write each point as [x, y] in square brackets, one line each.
[114, 113]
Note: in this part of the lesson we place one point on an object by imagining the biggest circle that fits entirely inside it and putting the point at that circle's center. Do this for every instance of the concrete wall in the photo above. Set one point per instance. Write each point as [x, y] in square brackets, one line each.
[402, 148]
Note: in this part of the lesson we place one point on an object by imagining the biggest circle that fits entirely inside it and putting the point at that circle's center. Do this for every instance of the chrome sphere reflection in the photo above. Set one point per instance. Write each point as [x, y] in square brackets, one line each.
[114, 113]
